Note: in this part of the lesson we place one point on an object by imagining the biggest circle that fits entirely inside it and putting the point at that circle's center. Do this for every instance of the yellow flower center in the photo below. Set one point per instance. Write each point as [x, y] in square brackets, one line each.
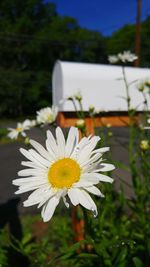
[64, 173]
[49, 117]
[19, 129]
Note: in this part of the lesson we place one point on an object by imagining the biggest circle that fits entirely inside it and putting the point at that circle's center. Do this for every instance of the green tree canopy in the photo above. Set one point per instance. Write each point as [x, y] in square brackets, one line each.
[124, 39]
[33, 36]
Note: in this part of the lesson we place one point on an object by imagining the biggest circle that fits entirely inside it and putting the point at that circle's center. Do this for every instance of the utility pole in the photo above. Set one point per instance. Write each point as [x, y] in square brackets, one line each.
[138, 34]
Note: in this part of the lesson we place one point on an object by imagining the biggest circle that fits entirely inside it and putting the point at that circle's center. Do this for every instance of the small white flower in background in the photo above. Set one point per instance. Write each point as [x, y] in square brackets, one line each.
[141, 86]
[63, 100]
[47, 115]
[113, 59]
[78, 96]
[91, 109]
[147, 83]
[108, 125]
[124, 57]
[19, 130]
[67, 169]
[144, 144]
[144, 86]
[80, 123]
[147, 127]
[127, 56]
[147, 86]
[31, 123]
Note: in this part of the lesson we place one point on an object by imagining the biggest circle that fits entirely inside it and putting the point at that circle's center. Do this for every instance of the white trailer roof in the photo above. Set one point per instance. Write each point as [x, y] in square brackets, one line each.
[100, 85]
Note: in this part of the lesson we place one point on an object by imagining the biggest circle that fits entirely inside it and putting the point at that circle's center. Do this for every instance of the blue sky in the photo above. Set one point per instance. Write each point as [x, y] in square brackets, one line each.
[105, 16]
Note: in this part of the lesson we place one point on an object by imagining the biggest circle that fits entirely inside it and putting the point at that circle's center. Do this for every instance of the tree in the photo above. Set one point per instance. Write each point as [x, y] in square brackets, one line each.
[20, 86]
[124, 39]
[33, 36]
[145, 53]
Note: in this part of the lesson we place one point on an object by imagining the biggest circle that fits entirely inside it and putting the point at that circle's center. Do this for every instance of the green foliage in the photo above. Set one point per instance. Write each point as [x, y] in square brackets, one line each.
[124, 39]
[121, 40]
[3, 251]
[40, 242]
[33, 36]
[3, 132]
[119, 236]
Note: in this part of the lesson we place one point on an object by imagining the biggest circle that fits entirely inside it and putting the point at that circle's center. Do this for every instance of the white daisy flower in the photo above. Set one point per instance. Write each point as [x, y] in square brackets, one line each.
[127, 56]
[47, 115]
[144, 145]
[80, 123]
[20, 129]
[78, 96]
[65, 169]
[124, 57]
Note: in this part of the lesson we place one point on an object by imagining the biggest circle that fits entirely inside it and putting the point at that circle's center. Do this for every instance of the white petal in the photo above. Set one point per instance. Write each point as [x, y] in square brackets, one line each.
[102, 177]
[47, 197]
[26, 124]
[94, 190]
[86, 201]
[32, 165]
[29, 156]
[105, 167]
[35, 183]
[13, 134]
[53, 155]
[28, 180]
[23, 189]
[73, 196]
[51, 144]
[65, 202]
[38, 196]
[49, 208]
[40, 191]
[43, 210]
[85, 153]
[39, 158]
[84, 183]
[71, 141]
[60, 142]
[89, 178]
[33, 172]
[83, 142]
[23, 134]
[40, 149]
[101, 150]
[90, 161]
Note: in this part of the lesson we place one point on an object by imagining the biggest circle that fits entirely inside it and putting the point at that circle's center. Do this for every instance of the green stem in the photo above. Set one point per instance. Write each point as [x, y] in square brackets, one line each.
[81, 109]
[127, 90]
[76, 110]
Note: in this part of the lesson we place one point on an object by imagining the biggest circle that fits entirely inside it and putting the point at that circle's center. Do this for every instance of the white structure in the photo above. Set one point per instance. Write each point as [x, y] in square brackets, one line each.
[100, 85]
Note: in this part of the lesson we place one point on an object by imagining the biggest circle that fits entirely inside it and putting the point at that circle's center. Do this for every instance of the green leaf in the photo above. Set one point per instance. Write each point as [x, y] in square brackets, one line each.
[137, 262]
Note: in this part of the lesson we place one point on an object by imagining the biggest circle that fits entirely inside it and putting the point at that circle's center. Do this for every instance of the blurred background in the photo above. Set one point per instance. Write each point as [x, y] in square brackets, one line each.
[35, 33]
